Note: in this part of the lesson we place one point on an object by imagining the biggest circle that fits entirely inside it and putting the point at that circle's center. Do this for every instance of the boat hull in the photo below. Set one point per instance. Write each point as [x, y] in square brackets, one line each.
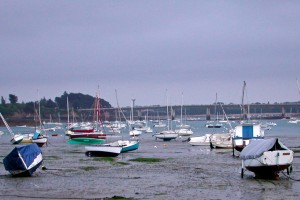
[17, 139]
[85, 141]
[102, 151]
[270, 163]
[88, 135]
[166, 136]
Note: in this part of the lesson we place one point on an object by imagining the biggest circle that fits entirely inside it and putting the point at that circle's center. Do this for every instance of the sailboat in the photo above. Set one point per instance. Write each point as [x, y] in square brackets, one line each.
[184, 128]
[246, 130]
[168, 134]
[93, 137]
[132, 131]
[214, 124]
[15, 138]
[112, 149]
[37, 137]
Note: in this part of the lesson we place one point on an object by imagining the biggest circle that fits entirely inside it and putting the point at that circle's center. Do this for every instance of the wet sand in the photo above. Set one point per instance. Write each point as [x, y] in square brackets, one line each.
[185, 172]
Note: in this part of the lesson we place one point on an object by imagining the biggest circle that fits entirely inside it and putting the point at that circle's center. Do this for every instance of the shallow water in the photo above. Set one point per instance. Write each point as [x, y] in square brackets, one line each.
[186, 172]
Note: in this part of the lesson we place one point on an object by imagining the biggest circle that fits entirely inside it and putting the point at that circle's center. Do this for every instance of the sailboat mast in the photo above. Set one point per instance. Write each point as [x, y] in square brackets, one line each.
[167, 109]
[181, 108]
[243, 110]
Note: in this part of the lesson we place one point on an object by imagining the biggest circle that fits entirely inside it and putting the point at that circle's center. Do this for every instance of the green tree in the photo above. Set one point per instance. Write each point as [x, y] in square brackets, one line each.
[3, 101]
[13, 98]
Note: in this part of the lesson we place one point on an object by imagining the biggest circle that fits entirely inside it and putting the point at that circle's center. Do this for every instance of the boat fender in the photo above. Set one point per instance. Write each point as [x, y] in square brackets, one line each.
[44, 168]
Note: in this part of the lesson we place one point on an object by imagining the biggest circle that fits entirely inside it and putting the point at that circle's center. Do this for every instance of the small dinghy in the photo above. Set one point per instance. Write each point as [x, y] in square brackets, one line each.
[24, 160]
[266, 158]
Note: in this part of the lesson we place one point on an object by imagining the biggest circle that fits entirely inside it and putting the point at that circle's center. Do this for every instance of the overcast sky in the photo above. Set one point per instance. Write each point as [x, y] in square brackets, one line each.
[141, 48]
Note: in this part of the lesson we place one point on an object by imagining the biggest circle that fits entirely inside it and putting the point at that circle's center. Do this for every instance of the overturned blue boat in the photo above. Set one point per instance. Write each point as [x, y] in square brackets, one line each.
[24, 160]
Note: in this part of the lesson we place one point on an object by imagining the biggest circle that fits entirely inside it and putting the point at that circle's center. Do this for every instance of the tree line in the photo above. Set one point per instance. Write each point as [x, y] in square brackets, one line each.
[76, 101]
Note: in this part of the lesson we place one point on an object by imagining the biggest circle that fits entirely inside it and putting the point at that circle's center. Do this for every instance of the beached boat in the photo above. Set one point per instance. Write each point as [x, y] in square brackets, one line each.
[135, 132]
[200, 140]
[35, 137]
[87, 138]
[222, 141]
[266, 158]
[103, 151]
[24, 160]
[15, 138]
[184, 132]
[166, 135]
[125, 144]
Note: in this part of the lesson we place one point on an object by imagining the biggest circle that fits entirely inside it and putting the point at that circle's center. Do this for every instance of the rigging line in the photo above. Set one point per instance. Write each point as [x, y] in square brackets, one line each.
[289, 177]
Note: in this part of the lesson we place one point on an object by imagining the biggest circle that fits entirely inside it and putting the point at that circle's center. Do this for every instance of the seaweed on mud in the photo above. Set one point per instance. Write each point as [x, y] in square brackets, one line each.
[52, 158]
[116, 197]
[106, 159]
[147, 160]
[74, 151]
[88, 168]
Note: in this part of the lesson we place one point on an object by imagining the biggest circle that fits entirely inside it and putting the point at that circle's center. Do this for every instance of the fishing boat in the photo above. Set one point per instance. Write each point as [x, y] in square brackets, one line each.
[245, 132]
[15, 138]
[23, 160]
[266, 158]
[102, 151]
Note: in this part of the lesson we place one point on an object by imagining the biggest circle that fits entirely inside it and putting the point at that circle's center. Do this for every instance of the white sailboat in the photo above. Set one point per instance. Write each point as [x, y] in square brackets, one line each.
[169, 134]
[15, 138]
[184, 128]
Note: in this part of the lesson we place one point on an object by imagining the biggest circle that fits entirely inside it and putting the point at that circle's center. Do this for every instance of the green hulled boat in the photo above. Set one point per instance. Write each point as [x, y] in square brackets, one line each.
[85, 141]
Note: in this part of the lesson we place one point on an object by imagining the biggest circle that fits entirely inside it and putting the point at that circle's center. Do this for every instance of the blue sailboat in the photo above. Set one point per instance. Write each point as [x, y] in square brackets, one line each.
[24, 160]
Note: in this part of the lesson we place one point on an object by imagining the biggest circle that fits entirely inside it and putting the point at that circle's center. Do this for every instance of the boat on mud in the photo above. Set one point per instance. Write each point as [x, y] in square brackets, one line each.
[266, 158]
[23, 160]
[102, 151]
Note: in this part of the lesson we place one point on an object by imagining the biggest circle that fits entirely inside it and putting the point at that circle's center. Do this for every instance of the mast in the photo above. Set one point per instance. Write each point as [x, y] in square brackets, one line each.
[243, 110]
[181, 108]
[167, 109]
[7, 126]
